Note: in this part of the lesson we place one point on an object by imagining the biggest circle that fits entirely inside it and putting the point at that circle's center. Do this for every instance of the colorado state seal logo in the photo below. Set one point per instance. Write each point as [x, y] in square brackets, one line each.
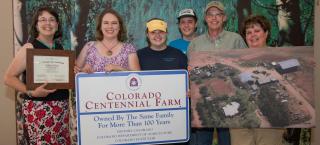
[133, 81]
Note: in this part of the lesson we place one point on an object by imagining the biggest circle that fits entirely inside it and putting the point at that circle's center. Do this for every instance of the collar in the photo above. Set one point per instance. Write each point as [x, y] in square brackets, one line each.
[220, 36]
[53, 45]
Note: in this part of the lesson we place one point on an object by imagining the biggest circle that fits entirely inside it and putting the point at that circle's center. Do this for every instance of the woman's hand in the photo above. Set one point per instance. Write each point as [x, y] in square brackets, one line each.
[76, 69]
[41, 91]
[87, 69]
[113, 67]
[188, 93]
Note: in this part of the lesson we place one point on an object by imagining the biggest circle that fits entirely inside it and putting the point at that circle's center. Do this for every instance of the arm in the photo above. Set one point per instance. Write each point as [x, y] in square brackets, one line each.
[16, 68]
[81, 59]
[190, 49]
[184, 62]
[81, 65]
[240, 43]
[134, 62]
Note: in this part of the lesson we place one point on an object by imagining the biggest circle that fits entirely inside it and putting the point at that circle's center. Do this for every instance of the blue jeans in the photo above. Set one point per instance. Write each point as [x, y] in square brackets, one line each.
[205, 136]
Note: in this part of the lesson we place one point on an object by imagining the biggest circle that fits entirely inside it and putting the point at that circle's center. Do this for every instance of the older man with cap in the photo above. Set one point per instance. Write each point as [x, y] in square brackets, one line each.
[157, 55]
[216, 39]
[187, 22]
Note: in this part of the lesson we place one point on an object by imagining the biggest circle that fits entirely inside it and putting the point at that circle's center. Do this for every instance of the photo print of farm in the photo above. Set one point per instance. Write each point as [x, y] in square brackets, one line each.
[252, 88]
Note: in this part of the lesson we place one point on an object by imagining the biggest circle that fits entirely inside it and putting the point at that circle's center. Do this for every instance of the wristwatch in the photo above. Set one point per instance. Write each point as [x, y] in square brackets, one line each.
[29, 93]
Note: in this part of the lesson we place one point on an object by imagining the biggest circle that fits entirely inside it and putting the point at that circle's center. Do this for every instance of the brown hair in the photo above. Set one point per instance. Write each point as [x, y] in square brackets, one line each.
[33, 29]
[122, 36]
[254, 20]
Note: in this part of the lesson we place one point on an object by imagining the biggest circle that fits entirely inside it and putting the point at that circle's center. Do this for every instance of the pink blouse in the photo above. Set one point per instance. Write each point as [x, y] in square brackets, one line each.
[98, 62]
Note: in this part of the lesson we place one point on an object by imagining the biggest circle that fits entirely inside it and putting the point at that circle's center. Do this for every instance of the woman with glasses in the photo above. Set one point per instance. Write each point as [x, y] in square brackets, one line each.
[45, 111]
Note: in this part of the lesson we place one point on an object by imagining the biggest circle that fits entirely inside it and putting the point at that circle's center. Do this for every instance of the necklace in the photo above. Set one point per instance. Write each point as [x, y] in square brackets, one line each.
[109, 50]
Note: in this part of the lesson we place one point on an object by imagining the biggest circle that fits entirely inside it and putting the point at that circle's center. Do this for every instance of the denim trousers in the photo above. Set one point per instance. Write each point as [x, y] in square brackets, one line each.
[205, 136]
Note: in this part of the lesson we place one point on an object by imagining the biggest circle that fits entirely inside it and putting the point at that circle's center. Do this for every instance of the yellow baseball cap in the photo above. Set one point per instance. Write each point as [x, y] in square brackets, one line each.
[216, 4]
[157, 25]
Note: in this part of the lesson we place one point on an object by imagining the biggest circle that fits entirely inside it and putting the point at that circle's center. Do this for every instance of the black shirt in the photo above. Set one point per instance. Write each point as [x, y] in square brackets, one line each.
[167, 59]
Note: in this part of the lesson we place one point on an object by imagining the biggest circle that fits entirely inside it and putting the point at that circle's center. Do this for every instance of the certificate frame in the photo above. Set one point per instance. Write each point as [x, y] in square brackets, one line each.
[30, 68]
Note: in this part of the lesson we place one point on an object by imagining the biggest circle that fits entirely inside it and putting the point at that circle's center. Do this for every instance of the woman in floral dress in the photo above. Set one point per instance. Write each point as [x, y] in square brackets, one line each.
[109, 52]
[45, 112]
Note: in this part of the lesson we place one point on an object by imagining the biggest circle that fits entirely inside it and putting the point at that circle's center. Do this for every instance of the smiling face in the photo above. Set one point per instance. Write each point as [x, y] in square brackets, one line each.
[187, 26]
[157, 39]
[256, 37]
[47, 24]
[110, 26]
[215, 18]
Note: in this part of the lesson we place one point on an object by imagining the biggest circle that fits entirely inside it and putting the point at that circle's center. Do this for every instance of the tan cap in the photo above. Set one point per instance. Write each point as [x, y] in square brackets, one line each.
[216, 4]
[157, 25]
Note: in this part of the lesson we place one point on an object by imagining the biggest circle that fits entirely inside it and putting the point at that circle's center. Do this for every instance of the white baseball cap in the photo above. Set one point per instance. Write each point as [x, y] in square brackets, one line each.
[187, 13]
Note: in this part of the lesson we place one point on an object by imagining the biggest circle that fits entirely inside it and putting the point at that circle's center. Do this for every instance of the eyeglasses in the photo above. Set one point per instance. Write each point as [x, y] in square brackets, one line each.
[50, 20]
[214, 14]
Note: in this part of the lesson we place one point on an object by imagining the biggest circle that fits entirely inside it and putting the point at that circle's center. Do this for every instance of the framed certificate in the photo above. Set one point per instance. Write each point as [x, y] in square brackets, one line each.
[52, 66]
[141, 107]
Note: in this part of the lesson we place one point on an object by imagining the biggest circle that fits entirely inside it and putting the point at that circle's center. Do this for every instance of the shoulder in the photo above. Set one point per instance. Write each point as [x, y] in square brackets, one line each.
[28, 46]
[175, 41]
[177, 54]
[236, 39]
[199, 38]
[25, 47]
[129, 45]
[233, 34]
[91, 43]
[142, 50]
[175, 51]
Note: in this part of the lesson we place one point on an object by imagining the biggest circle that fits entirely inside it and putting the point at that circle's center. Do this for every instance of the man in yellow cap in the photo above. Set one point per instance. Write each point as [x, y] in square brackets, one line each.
[157, 55]
[214, 40]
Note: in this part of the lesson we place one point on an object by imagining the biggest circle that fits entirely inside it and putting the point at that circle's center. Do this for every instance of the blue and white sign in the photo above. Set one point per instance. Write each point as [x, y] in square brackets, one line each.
[142, 107]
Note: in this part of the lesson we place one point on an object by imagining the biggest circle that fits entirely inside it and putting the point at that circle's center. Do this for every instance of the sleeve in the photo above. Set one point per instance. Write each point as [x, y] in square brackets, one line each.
[184, 61]
[240, 43]
[130, 48]
[190, 48]
[89, 51]
[173, 44]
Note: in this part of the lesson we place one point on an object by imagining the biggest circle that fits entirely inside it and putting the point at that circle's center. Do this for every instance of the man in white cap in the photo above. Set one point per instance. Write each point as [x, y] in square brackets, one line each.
[187, 22]
[214, 40]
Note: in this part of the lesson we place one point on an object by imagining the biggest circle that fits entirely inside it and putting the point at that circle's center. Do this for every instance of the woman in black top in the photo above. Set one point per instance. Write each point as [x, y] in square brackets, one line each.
[45, 112]
[157, 55]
